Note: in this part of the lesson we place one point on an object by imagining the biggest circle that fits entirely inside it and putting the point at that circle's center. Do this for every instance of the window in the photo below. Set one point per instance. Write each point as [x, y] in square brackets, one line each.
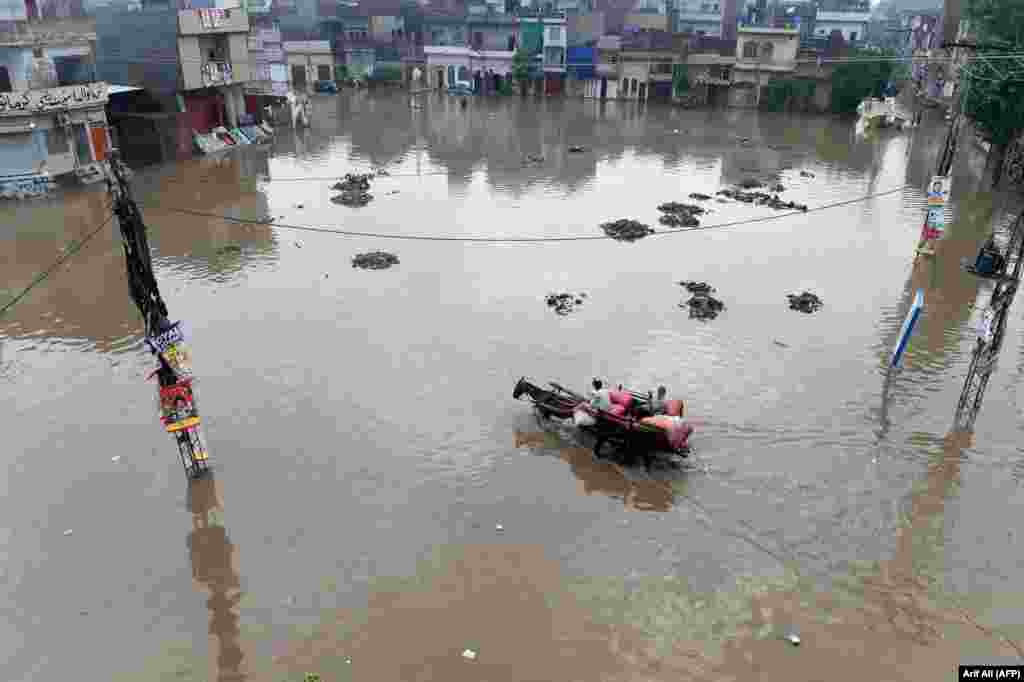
[767, 49]
[478, 40]
[5, 80]
[323, 72]
[661, 68]
[299, 76]
[853, 36]
[750, 50]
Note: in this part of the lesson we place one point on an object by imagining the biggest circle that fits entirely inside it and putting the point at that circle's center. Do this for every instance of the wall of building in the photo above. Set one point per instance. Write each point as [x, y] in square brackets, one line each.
[138, 48]
[647, 21]
[385, 28]
[585, 29]
[17, 61]
[851, 31]
[494, 36]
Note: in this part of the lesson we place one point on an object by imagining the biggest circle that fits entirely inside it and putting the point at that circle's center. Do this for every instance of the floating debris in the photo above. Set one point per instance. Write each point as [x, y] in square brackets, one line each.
[576, 149]
[498, 527]
[355, 198]
[680, 215]
[564, 303]
[778, 187]
[751, 183]
[697, 287]
[115, 458]
[806, 174]
[704, 306]
[381, 173]
[533, 159]
[676, 220]
[626, 230]
[676, 207]
[780, 344]
[700, 197]
[805, 302]
[793, 639]
[68, 532]
[354, 182]
[375, 260]
[229, 249]
[762, 199]
[298, 244]
[299, 206]
[469, 655]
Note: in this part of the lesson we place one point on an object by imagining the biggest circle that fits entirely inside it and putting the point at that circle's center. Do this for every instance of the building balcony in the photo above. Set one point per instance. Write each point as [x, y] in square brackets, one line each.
[843, 17]
[686, 17]
[195, 22]
[217, 73]
[50, 100]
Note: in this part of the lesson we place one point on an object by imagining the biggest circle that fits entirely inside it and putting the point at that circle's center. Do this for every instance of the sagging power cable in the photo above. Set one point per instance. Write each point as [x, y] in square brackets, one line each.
[71, 251]
[513, 240]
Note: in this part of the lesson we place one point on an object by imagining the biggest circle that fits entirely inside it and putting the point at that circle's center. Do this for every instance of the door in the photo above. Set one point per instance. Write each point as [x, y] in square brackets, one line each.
[83, 150]
[298, 77]
[100, 141]
[323, 72]
[604, 88]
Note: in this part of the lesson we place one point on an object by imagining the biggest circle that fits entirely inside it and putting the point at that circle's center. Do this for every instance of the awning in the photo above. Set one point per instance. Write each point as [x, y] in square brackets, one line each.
[118, 89]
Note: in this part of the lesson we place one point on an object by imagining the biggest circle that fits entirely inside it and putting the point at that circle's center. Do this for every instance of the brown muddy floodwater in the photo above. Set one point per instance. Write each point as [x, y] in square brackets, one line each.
[366, 443]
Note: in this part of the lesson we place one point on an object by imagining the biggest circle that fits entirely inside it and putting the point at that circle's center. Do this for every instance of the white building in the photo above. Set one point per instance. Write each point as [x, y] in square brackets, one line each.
[853, 25]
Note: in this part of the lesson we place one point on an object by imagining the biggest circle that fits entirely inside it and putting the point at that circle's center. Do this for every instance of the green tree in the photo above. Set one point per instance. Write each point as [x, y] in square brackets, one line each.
[521, 68]
[852, 82]
[680, 80]
[993, 95]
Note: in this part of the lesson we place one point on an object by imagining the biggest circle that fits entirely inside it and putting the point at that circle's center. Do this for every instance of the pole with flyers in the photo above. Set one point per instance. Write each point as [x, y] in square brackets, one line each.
[165, 339]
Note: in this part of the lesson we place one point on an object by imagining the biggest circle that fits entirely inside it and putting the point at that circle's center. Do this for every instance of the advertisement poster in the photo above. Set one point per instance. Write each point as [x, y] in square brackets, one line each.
[938, 191]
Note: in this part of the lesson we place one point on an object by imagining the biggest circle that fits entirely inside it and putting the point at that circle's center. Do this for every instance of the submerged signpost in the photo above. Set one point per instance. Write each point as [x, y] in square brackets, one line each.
[908, 328]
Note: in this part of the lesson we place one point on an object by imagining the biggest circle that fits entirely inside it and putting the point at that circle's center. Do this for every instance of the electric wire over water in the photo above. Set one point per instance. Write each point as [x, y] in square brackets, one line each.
[513, 240]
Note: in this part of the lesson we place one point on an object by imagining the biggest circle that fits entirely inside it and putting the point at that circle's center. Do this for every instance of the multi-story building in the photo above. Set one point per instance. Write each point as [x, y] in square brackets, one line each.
[701, 17]
[762, 54]
[647, 63]
[268, 69]
[52, 109]
[543, 35]
[195, 61]
[309, 61]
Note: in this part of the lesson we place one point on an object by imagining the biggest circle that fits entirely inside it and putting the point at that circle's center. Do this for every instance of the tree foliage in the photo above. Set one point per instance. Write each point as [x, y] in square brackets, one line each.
[680, 79]
[852, 82]
[993, 97]
[520, 65]
[787, 93]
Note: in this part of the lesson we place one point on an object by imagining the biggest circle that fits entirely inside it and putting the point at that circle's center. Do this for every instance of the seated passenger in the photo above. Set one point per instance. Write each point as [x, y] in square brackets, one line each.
[658, 404]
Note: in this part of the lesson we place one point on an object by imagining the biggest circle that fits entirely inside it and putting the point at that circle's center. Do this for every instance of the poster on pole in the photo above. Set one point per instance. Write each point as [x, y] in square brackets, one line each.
[935, 219]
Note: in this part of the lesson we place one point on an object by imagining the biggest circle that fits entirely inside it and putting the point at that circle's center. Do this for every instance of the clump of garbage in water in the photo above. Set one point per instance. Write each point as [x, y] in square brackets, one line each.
[626, 230]
[805, 302]
[355, 188]
[375, 260]
[565, 303]
[702, 304]
[761, 199]
[676, 214]
[700, 197]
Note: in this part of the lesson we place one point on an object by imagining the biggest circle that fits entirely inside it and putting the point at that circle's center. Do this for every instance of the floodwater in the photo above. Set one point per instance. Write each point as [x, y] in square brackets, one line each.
[367, 446]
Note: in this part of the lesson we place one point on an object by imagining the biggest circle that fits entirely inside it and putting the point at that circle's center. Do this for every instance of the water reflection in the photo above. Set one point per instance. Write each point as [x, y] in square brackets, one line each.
[87, 298]
[214, 566]
[633, 487]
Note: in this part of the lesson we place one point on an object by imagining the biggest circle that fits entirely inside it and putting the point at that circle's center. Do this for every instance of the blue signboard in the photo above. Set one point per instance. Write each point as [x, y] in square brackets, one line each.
[908, 328]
